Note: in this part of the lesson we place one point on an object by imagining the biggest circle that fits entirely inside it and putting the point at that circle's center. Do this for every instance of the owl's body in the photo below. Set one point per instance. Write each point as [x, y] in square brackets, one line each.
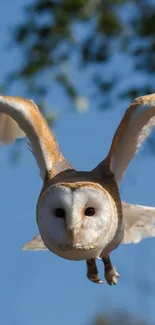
[80, 215]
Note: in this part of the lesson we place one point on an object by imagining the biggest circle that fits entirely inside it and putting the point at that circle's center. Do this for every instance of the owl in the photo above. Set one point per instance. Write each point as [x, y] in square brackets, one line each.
[80, 215]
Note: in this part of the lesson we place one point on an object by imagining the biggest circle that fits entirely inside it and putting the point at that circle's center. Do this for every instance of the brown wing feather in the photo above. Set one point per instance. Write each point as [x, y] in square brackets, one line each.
[130, 134]
[30, 120]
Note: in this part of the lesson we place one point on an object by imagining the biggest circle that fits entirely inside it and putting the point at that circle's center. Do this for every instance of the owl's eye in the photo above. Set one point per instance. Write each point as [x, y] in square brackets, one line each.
[90, 211]
[60, 213]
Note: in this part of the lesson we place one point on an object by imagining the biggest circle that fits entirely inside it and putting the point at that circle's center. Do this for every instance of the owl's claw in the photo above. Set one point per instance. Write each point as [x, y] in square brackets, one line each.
[95, 279]
[92, 272]
[112, 276]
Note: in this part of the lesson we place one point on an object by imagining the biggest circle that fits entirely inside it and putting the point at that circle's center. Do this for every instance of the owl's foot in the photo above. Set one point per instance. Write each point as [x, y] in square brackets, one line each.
[92, 272]
[111, 274]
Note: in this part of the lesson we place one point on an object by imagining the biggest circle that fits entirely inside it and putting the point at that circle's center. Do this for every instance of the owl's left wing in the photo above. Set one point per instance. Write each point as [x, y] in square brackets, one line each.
[35, 244]
[139, 222]
[130, 134]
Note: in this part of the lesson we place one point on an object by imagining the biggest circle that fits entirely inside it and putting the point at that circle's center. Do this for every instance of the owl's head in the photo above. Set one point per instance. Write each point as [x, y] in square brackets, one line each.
[75, 216]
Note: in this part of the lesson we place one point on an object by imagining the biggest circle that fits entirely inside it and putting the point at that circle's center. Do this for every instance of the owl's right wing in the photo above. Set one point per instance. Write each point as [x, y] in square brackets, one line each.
[130, 135]
[139, 222]
[20, 117]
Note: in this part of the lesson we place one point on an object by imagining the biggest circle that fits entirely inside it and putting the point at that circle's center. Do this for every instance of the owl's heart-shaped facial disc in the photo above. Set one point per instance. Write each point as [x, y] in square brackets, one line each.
[75, 218]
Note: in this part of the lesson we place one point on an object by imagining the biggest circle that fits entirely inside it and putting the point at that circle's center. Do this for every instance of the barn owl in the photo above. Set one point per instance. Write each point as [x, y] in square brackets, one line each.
[80, 215]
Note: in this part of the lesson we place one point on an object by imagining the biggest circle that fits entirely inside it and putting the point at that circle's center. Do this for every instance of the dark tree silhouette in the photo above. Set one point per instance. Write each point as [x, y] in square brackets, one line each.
[89, 36]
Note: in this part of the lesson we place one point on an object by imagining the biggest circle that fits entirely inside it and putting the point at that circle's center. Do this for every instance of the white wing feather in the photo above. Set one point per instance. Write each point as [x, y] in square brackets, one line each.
[131, 133]
[9, 130]
[139, 222]
[35, 244]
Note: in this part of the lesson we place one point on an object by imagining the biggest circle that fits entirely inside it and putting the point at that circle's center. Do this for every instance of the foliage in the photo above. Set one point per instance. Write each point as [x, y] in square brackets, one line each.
[61, 37]
[117, 318]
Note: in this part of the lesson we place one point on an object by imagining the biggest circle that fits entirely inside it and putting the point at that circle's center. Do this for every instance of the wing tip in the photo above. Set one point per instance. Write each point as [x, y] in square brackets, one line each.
[36, 244]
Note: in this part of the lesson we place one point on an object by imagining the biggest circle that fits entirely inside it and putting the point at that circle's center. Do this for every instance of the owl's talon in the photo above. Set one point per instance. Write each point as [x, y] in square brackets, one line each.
[95, 279]
[112, 276]
[92, 272]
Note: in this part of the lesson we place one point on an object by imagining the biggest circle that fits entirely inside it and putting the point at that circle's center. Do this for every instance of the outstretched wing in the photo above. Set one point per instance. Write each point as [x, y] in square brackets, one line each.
[131, 133]
[20, 117]
[35, 244]
[139, 222]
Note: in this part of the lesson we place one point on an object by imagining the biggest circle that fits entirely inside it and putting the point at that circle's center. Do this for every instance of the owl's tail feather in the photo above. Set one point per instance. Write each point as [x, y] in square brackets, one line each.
[9, 130]
[35, 244]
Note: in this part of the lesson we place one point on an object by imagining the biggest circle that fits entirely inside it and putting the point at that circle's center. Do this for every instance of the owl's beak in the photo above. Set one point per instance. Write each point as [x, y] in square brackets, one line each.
[72, 233]
[73, 226]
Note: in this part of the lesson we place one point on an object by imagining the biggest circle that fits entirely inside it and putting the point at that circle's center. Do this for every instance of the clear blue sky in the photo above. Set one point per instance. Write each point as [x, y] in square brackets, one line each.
[39, 287]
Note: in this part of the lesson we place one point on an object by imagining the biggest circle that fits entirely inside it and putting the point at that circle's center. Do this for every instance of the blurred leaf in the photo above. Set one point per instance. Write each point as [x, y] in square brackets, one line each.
[81, 103]
[86, 35]
[117, 318]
